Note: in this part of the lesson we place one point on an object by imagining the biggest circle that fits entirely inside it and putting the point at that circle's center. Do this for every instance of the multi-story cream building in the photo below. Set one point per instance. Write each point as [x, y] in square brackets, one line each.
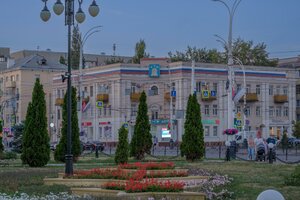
[16, 84]
[111, 98]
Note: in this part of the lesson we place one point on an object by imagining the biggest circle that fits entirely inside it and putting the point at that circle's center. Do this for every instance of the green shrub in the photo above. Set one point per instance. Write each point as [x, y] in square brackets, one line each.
[122, 152]
[294, 179]
[8, 155]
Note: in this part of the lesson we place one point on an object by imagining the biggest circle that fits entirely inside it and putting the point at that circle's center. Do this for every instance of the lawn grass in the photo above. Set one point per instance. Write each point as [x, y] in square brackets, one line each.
[249, 178]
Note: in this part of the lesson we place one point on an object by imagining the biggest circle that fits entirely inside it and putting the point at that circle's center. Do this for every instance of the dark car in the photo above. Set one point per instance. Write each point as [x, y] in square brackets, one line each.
[293, 141]
[91, 146]
[53, 146]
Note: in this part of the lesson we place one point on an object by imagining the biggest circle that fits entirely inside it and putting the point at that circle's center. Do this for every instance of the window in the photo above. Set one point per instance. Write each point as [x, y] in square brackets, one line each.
[271, 89]
[109, 110]
[198, 86]
[206, 130]
[100, 132]
[215, 110]
[133, 88]
[297, 89]
[215, 131]
[154, 114]
[2, 59]
[298, 103]
[206, 110]
[286, 111]
[215, 87]
[248, 88]
[17, 77]
[258, 89]
[238, 87]
[278, 111]
[133, 109]
[91, 91]
[58, 93]
[285, 90]
[248, 111]
[58, 114]
[238, 109]
[257, 111]
[154, 90]
[278, 89]
[271, 111]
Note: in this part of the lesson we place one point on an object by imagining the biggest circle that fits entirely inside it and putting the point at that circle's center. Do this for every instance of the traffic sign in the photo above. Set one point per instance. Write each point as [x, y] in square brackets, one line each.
[173, 93]
[125, 125]
[237, 122]
[239, 115]
[205, 94]
[213, 93]
[99, 104]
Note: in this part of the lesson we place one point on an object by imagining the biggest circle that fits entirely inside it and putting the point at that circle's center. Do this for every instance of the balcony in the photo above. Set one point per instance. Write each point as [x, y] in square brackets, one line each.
[250, 97]
[103, 97]
[208, 95]
[280, 98]
[135, 97]
[10, 84]
[59, 101]
[167, 96]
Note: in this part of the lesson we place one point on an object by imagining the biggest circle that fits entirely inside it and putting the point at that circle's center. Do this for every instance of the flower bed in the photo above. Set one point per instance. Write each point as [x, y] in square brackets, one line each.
[148, 165]
[148, 185]
[119, 173]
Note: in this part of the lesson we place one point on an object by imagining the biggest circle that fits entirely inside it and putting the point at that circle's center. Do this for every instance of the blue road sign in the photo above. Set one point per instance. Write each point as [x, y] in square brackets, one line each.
[173, 93]
[99, 104]
[213, 93]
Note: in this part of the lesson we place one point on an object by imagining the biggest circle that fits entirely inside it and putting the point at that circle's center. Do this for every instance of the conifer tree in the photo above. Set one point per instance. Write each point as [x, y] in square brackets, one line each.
[141, 142]
[61, 148]
[122, 152]
[35, 146]
[192, 146]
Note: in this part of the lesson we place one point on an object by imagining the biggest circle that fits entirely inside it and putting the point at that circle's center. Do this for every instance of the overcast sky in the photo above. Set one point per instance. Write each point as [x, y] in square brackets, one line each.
[165, 25]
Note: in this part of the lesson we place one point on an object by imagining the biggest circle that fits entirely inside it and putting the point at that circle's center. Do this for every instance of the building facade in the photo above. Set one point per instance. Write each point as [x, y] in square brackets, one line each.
[111, 98]
[16, 85]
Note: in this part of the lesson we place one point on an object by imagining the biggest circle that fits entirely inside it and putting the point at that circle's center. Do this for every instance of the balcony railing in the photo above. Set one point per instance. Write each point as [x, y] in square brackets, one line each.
[103, 97]
[280, 98]
[167, 97]
[135, 97]
[250, 97]
[10, 84]
[59, 101]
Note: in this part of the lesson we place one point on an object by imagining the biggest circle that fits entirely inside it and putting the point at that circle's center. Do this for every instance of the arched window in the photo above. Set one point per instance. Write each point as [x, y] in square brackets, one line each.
[154, 90]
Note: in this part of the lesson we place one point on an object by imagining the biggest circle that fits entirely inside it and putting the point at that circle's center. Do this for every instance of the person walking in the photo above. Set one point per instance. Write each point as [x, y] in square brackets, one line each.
[251, 147]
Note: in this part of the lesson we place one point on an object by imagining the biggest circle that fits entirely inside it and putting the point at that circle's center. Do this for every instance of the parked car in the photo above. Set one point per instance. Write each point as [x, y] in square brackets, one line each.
[53, 146]
[293, 141]
[91, 146]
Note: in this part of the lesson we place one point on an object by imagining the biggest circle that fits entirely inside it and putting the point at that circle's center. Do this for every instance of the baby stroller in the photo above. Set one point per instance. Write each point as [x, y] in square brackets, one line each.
[260, 152]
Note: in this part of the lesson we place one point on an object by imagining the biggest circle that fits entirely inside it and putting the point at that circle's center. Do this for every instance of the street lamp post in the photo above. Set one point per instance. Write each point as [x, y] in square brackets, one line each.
[231, 11]
[81, 41]
[45, 14]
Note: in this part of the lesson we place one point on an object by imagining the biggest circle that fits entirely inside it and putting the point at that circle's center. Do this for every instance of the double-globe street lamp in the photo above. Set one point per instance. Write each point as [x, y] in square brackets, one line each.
[45, 14]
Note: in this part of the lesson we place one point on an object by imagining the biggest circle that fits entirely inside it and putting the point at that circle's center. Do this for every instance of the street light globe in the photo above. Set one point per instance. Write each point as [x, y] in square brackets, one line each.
[51, 124]
[94, 9]
[45, 14]
[80, 16]
[58, 7]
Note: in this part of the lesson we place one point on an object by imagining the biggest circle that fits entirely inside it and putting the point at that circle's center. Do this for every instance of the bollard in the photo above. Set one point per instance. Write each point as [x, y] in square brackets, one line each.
[96, 152]
[270, 156]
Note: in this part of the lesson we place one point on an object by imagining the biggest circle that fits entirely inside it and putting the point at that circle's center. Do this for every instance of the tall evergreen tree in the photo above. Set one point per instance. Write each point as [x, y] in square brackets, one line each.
[75, 49]
[192, 146]
[1, 145]
[141, 142]
[61, 148]
[122, 152]
[35, 146]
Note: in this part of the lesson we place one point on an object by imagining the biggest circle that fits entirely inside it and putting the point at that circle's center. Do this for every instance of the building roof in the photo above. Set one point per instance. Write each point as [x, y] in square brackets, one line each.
[35, 62]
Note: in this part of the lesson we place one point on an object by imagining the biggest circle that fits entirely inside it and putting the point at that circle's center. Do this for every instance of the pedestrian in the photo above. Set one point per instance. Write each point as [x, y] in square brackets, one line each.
[251, 147]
